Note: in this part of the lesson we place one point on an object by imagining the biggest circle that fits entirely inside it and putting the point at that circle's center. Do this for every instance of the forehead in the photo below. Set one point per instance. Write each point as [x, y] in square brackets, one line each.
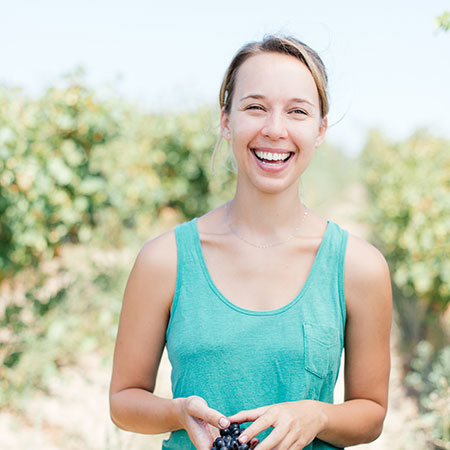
[276, 74]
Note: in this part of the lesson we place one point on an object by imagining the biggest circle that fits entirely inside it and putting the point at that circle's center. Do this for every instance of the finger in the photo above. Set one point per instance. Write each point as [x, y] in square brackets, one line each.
[275, 438]
[254, 442]
[249, 415]
[198, 407]
[214, 432]
[201, 444]
[215, 418]
[297, 446]
[259, 425]
[199, 434]
[284, 441]
[300, 444]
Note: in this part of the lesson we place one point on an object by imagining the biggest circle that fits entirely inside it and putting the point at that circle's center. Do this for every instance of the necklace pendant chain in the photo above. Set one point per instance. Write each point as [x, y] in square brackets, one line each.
[272, 244]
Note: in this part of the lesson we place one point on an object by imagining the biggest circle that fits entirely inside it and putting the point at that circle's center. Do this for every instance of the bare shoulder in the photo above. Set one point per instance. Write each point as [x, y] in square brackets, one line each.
[156, 267]
[363, 259]
[160, 253]
[366, 275]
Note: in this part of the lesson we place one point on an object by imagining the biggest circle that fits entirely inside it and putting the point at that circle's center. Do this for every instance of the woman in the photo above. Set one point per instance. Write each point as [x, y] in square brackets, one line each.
[256, 299]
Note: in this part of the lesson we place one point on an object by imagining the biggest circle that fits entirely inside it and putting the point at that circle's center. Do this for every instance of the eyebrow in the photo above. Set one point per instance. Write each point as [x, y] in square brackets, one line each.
[262, 97]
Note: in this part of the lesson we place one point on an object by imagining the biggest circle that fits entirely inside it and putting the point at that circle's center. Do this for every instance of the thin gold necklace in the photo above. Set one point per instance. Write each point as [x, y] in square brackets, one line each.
[273, 244]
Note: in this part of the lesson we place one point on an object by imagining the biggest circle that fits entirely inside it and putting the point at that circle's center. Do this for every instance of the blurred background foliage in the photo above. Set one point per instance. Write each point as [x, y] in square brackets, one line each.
[408, 185]
[77, 169]
[443, 21]
[86, 179]
[409, 188]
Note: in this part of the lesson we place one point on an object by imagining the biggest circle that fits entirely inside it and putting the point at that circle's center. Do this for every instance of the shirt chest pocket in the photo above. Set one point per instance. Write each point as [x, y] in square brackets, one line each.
[321, 349]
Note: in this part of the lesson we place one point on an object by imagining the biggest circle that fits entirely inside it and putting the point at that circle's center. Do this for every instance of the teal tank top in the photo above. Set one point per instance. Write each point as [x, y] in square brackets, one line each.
[239, 359]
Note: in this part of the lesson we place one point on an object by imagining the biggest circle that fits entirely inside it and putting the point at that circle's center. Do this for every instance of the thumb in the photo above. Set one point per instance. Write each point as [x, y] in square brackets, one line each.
[198, 407]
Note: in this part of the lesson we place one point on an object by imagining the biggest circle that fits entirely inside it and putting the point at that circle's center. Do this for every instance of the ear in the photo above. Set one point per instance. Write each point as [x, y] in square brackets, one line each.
[321, 133]
[225, 125]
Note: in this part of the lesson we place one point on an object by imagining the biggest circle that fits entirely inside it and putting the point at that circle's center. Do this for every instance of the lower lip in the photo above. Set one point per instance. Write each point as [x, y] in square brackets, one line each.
[271, 167]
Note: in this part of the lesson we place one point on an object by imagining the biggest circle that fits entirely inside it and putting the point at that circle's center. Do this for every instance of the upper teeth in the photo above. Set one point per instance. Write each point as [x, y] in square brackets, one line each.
[272, 156]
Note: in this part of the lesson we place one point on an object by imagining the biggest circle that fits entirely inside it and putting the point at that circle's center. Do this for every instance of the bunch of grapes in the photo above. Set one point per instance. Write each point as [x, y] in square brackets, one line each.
[228, 439]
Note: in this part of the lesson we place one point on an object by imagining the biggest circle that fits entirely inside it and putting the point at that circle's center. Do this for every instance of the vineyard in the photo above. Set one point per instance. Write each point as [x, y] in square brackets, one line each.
[86, 179]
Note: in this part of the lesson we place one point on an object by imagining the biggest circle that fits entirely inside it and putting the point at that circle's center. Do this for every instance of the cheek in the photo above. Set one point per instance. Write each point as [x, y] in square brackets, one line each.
[242, 135]
[307, 135]
[245, 127]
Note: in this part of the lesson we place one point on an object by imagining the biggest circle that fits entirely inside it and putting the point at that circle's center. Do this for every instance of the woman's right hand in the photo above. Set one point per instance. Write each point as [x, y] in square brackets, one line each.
[200, 421]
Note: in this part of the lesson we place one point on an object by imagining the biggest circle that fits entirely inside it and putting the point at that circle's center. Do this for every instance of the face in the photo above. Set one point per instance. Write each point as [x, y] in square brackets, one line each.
[274, 123]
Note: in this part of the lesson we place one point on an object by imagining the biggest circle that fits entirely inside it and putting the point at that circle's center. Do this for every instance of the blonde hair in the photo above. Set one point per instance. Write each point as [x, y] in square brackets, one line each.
[276, 44]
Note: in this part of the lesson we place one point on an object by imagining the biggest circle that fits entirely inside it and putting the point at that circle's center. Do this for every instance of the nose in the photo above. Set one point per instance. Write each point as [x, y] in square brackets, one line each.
[274, 126]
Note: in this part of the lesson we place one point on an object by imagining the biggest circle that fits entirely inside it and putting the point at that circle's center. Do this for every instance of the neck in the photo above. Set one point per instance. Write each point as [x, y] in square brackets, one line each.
[264, 217]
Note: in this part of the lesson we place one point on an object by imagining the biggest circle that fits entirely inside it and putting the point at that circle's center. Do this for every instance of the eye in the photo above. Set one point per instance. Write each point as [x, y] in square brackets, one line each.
[254, 107]
[299, 112]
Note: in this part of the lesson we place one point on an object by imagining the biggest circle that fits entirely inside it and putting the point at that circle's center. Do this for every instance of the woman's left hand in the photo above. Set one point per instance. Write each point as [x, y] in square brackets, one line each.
[295, 424]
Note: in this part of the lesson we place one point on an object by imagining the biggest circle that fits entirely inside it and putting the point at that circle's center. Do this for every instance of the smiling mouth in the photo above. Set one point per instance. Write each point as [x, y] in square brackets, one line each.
[272, 158]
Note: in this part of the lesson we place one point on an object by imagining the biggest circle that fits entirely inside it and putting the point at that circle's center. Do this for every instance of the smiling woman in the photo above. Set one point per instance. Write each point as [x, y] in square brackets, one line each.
[282, 118]
[256, 299]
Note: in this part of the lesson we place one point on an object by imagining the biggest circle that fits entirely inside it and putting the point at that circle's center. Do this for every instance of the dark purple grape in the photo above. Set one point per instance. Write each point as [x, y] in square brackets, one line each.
[228, 439]
[219, 442]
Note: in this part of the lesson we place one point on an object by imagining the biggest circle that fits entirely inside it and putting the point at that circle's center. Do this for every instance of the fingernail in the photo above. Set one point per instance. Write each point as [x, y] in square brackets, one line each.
[224, 422]
[243, 438]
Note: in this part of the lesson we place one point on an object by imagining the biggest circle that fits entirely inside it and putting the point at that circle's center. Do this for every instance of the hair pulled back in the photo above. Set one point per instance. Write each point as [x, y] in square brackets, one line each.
[276, 44]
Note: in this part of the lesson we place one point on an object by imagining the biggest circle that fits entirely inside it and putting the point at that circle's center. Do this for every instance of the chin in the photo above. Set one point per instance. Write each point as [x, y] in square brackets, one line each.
[272, 187]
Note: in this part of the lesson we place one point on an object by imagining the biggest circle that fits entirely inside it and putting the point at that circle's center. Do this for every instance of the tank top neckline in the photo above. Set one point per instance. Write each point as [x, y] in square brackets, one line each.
[290, 304]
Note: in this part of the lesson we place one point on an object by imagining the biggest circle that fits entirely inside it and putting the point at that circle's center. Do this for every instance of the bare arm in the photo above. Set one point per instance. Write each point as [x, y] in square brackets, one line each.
[140, 341]
[139, 346]
[367, 349]
[367, 364]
